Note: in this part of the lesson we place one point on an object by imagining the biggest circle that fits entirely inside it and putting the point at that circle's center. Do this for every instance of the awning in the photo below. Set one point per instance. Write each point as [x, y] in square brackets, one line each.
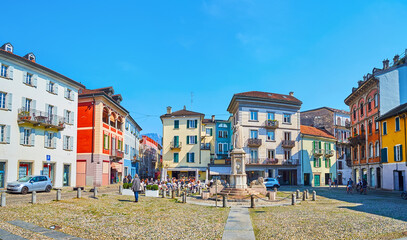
[117, 166]
[220, 171]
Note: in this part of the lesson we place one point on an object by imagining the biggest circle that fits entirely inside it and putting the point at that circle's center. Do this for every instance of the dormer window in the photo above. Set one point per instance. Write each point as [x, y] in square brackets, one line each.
[9, 48]
[31, 57]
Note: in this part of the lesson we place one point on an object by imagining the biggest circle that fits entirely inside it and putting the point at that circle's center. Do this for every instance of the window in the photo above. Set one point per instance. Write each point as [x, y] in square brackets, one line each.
[384, 155]
[376, 100]
[384, 128]
[270, 116]
[354, 132]
[3, 71]
[68, 117]
[176, 124]
[287, 136]
[287, 154]
[68, 143]
[126, 149]
[317, 162]
[354, 114]
[327, 162]
[371, 150]
[377, 147]
[397, 124]
[287, 118]
[340, 165]
[254, 155]
[220, 147]
[253, 115]
[398, 153]
[362, 152]
[192, 139]
[190, 157]
[192, 123]
[176, 157]
[253, 134]
[271, 153]
[209, 132]
[377, 126]
[361, 109]
[369, 104]
[370, 127]
[49, 140]
[355, 154]
[5, 100]
[28, 79]
[27, 136]
[4, 134]
[68, 94]
[222, 134]
[52, 87]
[106, 142]
[270, 135]
[31, 57]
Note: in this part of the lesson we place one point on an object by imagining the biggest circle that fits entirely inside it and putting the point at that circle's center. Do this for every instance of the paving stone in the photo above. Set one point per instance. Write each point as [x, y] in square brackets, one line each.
[238, 225]
[29, 226]
[4, 235]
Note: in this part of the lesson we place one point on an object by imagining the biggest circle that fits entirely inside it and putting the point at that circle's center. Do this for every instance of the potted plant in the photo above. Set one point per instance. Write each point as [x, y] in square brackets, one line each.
[152, 191]
[25, 115]
[127, 189]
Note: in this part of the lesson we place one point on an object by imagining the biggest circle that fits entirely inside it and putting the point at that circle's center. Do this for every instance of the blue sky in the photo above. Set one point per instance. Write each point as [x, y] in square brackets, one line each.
[156, 53]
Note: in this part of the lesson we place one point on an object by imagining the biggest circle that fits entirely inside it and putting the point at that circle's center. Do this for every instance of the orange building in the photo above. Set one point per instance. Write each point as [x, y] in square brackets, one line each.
[100, 137]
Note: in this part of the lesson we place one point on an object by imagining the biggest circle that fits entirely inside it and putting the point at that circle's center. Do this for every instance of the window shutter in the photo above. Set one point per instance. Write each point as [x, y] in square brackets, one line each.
[35, 80]
[55, 88]
[33, 104]
[329, 163]
[66, 93]
[32, 135]
[71, 143]
[72, 97]
[319, 144]
[8, 127]
[313, 144]
[384, 154]
[401, 152]
[54, 141]
[187, 123]
[187, 139]
[193, 156]
[196, 123]
[55, 110]
[64, 143]
[10, 72]
[9, 100]
[21, 135]
[65, 115]
[72, 118]
[46, 139]
[47, 85]
[104, 141]
[24, 77]
[196, 139]
[210, 131]
[319, 161]
[395, 149]
[315, 162]
[23, 99]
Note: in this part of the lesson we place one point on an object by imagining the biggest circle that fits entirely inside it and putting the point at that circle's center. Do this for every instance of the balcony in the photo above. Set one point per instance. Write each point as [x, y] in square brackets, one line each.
[40, 118]
[288, 144]
[290, 162]
[175, 145]
[358, 139]
[262, 161]
[117, 153]
[329, 153]
[271, 124]
[205, 146]
[254, 142]
[317, 152]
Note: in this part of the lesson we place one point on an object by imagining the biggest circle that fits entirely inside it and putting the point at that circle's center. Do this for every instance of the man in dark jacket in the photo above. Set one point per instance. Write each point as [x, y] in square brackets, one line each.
[135, 186]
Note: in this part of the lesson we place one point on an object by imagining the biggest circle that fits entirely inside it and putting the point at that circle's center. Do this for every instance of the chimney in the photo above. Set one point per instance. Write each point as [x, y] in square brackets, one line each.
[396, 59]
[185, 108]
[364, 77]
[213, 118]
[291, 94]
[168, 110]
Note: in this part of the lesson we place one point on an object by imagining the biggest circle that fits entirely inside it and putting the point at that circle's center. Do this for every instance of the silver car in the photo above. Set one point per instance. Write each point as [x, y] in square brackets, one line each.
[30, 183]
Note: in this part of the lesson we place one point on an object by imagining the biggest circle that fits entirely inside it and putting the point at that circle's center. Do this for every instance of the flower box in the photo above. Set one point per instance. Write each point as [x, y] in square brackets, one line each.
[127, 192]
[152, 193]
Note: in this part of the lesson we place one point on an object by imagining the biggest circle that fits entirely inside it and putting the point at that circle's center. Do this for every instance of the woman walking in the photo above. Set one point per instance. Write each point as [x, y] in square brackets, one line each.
[135, 186]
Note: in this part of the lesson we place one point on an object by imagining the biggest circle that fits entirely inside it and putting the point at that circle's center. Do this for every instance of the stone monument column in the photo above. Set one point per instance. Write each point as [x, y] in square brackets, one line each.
[238, 178]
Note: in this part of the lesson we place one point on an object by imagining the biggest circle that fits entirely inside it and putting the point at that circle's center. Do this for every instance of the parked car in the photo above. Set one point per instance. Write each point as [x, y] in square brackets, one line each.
[271, 183]
[30, 183]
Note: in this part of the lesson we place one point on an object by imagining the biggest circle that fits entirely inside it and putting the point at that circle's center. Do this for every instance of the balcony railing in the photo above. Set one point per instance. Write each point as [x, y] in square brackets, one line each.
[254, 142]
[175, 145]
[290, 162]
[329, 153]
[288, 143]
[317, 152]
[135, 158]
[262, 161]
[271, 124]
[205, 146]
[117, 153]
[358, 139]
[222, 156]
[40, 118]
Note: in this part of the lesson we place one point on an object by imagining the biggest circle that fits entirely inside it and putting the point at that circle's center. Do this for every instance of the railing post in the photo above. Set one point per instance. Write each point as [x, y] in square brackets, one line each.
[79, 192]
[58, 194]
[34, 197]
[3, 199]
[293, 199]
[252, 205]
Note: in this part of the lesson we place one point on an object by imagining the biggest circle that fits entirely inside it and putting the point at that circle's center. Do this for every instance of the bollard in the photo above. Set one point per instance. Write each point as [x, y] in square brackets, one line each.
[34, 197]
[95, 192]
[225, 203]
[200, 191]
[275, 189]
[79, 192]
[3, 199]
[185, 197]
[293, 199]
[314, 196]
[298, 194]
[58, 194]
[120, 189]
[178, 192]
[304, 195]
[164, 192]
[252, 205]
[173, 194]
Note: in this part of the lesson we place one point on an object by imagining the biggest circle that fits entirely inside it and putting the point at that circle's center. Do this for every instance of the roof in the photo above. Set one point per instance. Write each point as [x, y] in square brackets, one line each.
[208, 120]
[313, 131]
[83, 93]
[182, 112]
[329, 109]
[36, 65]
[268, 95]
[394, 112]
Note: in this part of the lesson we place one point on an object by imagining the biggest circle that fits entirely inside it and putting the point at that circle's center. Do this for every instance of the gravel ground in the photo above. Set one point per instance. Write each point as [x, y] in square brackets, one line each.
[118, 217]
[335, 215]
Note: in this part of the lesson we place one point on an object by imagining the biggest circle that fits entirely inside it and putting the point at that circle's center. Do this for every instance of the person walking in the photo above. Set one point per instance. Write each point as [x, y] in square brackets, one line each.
[136, 186]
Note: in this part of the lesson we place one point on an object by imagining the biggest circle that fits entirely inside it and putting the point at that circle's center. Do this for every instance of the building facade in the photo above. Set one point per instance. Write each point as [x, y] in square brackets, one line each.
[150, 155]
[393, 151]
[38, 109]
[337, 123]
[101, 121]
[268, 125]
[318, 156]
[131, 163]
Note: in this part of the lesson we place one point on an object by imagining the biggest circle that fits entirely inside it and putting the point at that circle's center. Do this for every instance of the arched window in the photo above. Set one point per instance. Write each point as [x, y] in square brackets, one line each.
[361, 109]
[371, 150]
[369, 104]
[370, 127]
[355, 154]
[362, 152]
[377, 149]
[354, 114]
[9, 48]
[105, 116]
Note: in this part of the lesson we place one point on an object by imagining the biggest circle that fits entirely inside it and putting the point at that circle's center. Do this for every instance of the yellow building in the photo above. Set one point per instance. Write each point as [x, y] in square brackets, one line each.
[393, 154]
[185, 149]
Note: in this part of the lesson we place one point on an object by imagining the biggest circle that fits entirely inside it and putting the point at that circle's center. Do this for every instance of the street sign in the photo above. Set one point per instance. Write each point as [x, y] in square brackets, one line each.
[48, 158]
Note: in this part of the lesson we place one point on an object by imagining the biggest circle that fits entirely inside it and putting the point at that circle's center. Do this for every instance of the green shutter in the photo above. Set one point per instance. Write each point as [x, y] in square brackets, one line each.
[319, 144]
[196, 139]
[313, 144]
[104, 141]
[211, 131]
[315, 162]
[187, 140]
[187, 123]
[196, 123]
[319, 160]
[384, 154]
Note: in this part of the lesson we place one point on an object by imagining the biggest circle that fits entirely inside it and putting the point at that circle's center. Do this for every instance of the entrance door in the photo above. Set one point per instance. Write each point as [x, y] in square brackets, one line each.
[24, 170]
[317, 181]
[379, 178]
[81, 174]
[340, 181]
[48, 170]
[2, 169]
[67, 169]
[327, 177]
[307, 179]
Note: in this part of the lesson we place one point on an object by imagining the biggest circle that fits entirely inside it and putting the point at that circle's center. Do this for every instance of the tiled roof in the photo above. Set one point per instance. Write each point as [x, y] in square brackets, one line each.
[268, 95]
[394, 112]
[208, 120]
[313, 131]
[330, 109]
[182, 112]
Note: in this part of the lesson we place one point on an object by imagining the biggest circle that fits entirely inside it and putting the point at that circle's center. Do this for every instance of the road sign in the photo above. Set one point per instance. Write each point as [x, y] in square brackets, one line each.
[48, 157]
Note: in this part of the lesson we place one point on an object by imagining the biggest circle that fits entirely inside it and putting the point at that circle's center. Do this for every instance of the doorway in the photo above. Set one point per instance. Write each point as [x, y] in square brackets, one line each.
[2, 174]
[48, 170]
[317, 181]
[398, 180]
[307, 181]
[340, 181]
[327, 177]
[379, 178]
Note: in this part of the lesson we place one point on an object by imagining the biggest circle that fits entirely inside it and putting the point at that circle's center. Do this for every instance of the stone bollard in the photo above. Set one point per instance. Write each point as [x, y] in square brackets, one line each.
[79, 192]
[298, 194]
[95, 192]
[120, 189]
[173, 194]
[252, 205]
[275, 189]
[304, 195]
[293, 199]
[34, 197]
[314, 196]
[225, 202]
[178, 192]
[185, 197]
[58, 194]
[272, 196]
[164, 192]
[3, 199]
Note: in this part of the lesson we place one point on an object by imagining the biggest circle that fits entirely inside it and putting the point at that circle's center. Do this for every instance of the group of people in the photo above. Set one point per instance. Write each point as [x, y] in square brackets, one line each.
[361, 186]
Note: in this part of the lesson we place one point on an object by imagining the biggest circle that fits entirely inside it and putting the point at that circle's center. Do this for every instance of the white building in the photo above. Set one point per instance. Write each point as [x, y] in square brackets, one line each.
[269, 126]
[132, 137]
[38, 115]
